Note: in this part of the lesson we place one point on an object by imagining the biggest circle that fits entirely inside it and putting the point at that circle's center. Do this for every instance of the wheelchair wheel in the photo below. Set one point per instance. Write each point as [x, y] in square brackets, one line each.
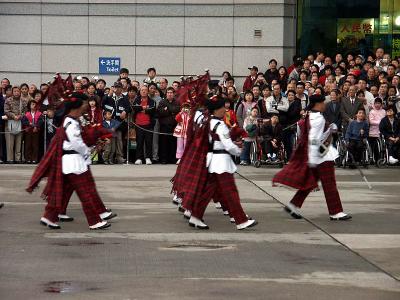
[253, 153]
[380, 163]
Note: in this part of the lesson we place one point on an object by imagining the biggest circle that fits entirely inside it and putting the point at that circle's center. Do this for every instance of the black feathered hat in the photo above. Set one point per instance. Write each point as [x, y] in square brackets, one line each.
[215, 102]
[314, 99]
[74, 100]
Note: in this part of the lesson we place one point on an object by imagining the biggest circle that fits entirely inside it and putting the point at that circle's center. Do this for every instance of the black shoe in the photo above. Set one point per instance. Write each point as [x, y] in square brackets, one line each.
[181, 209]
[199, 226]
[1, 205]
[292, 213]
[65, 218]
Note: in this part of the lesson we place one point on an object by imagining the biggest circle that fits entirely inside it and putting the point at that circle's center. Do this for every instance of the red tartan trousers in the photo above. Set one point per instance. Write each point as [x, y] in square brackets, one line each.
[324, 172]
[221, 187]
[83, 185]
[97, 202]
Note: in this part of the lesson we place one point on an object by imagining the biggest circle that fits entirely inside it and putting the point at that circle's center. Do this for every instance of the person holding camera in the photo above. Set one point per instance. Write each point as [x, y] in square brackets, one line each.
[276, 103]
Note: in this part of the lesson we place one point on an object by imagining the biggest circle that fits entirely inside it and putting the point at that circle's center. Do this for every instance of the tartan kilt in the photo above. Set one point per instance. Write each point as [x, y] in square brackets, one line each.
[297, 174]
[191, 175]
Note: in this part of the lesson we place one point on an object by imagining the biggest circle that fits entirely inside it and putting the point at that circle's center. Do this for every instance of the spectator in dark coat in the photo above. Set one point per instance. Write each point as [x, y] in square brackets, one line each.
[120, 107]
[167, 111]
[291, 117]
[350, 106]
[390, 129]
[2, 117]
[272, 73]
[333, 109]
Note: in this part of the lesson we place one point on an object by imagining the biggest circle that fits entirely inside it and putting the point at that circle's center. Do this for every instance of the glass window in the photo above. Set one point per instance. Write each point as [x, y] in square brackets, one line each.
[348, 26]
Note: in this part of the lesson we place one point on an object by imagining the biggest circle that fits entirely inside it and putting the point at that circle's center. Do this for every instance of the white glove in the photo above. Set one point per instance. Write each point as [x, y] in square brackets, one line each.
[333, 127]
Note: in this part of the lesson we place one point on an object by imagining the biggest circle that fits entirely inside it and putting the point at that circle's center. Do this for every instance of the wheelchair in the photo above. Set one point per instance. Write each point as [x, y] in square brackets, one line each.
[383, 153]
[347, 159]
[258, 157]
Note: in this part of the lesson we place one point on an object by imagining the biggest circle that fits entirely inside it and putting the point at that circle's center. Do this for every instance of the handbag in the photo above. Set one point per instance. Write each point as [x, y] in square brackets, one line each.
[132, 134]
[178, 131]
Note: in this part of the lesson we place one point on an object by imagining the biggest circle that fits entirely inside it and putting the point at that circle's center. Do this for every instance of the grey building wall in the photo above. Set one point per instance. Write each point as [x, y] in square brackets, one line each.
[39, 38]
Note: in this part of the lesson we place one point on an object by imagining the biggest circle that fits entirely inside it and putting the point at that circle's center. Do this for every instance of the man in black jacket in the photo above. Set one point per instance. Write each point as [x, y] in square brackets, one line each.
[292, 116]
[167, 110]
[390, 129]
[272, 73]
[333, 112]
[119, 105]
[2, 151]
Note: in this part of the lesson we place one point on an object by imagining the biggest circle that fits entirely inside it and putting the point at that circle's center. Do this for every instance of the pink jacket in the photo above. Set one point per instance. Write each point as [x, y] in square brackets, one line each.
[375, 117]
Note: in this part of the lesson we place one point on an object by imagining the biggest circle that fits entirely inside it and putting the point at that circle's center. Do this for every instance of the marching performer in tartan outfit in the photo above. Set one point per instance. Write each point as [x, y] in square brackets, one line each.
[220, 169]
[65, 164]
[313, 160]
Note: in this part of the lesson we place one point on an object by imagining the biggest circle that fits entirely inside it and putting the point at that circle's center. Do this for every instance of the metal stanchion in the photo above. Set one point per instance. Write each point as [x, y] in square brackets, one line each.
[127, 142]
[45, 133]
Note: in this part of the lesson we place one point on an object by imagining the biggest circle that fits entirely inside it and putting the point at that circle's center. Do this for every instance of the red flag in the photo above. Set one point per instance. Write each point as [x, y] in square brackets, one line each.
[68, 83]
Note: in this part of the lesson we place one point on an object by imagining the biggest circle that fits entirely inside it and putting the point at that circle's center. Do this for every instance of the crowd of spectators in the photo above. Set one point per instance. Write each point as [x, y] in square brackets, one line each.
[362, 96]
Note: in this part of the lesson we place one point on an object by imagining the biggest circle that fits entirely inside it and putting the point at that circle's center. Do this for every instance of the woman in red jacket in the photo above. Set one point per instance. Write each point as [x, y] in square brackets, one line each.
[32, 122]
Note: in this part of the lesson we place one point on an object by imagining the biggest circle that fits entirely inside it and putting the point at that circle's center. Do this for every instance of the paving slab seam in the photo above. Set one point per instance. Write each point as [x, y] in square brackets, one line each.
[323, 230]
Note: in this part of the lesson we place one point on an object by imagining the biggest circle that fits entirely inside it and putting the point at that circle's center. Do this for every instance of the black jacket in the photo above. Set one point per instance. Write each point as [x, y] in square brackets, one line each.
[334, 115]
[117, 106]
[167, 111]
[2, 101]
[271, 75]
[293, 113]
[262, 108]
[387, 129]
[270, 132]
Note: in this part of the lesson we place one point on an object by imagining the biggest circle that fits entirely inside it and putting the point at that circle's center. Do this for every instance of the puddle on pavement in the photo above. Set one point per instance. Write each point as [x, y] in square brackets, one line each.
[61, 287]
[198, 247]
[81, 243]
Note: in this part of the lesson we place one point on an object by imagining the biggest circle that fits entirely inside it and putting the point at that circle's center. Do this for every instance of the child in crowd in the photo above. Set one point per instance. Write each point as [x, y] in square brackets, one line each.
[32, 122]
[355, 135]
[250, 125]
[50, 128]
[272, 134]
[109, 150]
[95, 115]
[181, 129]
[230, 116]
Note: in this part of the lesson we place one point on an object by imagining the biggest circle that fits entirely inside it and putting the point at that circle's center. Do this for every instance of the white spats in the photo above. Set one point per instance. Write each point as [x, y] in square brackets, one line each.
[46, 222]
[196, 223]
[247, 224]
[100, 225]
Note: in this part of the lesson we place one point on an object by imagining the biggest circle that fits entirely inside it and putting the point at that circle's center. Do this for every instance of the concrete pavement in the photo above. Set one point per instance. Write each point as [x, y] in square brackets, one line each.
[151, 253]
